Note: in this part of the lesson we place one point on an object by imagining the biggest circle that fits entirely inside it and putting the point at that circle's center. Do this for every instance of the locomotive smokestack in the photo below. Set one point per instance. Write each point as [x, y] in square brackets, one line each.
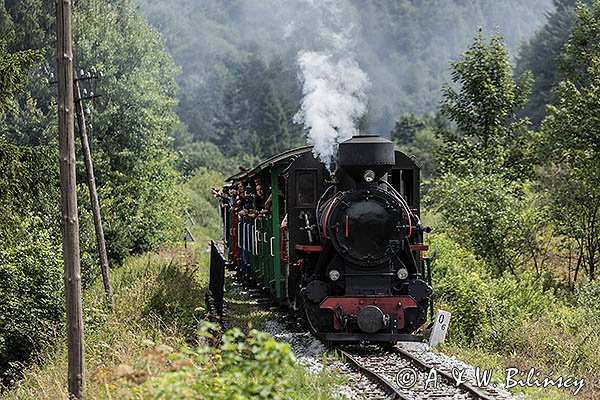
[361, 154]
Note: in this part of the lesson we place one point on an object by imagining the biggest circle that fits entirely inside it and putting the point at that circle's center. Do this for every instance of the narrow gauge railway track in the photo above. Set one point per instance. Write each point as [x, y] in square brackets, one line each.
[383, 365]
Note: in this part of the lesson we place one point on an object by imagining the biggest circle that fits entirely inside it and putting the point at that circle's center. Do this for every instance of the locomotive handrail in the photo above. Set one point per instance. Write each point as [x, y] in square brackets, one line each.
[282, 256]
[257, 240]
[404, 205]
[271, 244]
[239, 236]
[333, 202]
[319, 202]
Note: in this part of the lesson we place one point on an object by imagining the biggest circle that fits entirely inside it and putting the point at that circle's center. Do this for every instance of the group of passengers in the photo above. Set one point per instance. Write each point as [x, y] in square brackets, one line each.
[248, 199]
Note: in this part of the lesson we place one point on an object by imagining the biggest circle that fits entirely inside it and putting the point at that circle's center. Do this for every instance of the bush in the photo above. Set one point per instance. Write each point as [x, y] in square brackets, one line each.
[485, 310]
[204, 207]
[460, 283]
[482, 212]
[176, 294]
[245, 366]
[514, 315]
[513, 301]
[31, 300]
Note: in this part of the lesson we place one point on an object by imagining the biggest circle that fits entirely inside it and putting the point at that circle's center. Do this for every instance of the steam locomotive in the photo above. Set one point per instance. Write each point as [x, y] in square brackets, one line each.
[349, 254]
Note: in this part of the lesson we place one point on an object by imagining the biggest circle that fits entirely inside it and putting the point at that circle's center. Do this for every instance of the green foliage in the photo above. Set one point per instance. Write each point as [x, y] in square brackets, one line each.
[417, 136]
[542, 56]
[406, 128]
[485, 310]
[513, 317]
[588, 293]
[485, 158]
[256, 120]
[134, 162]
[31, 297]
[422, 148]
[460, 284]
[28, 179]
[244, 366]
[489, 136]
[207, 155]
[31, 301]
[513, 299]
[204, 208]
[29, 125]
[571, 140]
[483, 212]
[14, 68]
[176, 296]
[29, 24]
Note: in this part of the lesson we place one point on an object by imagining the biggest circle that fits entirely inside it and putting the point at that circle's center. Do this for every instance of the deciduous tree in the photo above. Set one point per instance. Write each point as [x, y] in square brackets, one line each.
[482, 102]
[572, 139]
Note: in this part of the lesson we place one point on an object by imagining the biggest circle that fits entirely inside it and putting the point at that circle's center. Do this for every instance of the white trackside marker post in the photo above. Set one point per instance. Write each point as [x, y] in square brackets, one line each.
[440, 328]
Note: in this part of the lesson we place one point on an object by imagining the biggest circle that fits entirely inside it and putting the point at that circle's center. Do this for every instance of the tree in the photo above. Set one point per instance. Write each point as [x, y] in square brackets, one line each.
[406, 128]
[542, 56]
[256, 119]
[418, 137]
[14, 68]
[483, 157]
[402, 45]
[571, 139]
[132, 149]
[489, 136]
[31, 288]
[137, 181]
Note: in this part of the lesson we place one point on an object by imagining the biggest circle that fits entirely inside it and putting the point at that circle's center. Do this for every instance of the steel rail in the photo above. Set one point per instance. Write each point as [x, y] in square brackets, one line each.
[386, 385]
[463, 385]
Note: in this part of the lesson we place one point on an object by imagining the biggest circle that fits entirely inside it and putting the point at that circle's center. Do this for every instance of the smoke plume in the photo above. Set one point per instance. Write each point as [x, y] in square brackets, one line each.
[334, 87]
[334, 99]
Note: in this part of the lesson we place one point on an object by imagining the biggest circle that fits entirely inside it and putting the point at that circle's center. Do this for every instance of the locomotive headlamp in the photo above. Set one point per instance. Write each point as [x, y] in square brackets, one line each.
[334, 275]
[369, 176]
[402, 273]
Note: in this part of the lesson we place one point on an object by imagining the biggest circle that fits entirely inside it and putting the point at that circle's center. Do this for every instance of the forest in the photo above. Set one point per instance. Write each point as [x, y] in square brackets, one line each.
[499, 102]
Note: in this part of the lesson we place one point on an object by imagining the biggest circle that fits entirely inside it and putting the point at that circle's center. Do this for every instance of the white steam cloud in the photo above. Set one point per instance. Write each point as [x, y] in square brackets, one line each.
[334, 99]
[334, 86]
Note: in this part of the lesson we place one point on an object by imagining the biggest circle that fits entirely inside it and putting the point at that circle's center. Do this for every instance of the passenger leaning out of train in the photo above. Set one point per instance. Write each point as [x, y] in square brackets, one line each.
[245, 199]
[225, 196]
[269, 205]
[258, 202]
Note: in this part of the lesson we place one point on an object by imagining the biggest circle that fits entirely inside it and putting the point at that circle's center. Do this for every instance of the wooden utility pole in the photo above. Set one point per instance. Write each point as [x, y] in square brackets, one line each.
[89, 169]
[68, 189]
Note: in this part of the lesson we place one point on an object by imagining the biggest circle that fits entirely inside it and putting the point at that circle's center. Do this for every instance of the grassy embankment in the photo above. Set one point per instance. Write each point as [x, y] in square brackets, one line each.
[155, 344]
[518, 321]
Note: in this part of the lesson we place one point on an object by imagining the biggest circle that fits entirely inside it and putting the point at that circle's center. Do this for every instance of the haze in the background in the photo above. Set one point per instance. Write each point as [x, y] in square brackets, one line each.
[403, 46]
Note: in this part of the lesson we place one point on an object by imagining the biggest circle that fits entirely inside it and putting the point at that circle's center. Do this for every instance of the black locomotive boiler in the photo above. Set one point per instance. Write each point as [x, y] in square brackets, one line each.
[344, 248]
